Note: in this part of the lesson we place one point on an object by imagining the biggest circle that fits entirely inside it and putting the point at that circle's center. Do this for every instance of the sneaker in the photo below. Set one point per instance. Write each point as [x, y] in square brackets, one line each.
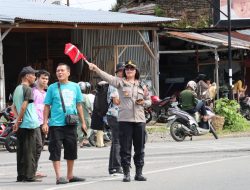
[61, 180]
[76, 179]
[116, 172]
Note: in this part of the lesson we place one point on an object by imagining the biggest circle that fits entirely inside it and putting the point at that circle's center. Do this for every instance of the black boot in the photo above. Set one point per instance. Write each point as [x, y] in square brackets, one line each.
[126, 172]
[138, 175]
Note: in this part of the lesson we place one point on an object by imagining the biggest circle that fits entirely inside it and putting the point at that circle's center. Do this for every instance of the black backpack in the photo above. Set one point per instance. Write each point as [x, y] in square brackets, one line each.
[101, 105]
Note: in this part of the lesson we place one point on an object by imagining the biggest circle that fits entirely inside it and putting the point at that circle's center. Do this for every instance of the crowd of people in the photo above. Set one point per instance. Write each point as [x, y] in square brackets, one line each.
[44, 111]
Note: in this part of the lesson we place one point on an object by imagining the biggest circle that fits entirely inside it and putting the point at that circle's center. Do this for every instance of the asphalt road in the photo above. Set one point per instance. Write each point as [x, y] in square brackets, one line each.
[190, 165]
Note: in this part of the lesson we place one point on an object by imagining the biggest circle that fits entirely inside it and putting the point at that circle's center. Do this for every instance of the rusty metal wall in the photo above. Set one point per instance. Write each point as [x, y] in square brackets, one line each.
[88, 40]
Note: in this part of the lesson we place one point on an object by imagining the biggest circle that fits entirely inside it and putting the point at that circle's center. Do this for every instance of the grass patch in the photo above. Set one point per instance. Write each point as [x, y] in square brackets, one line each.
[157, 128]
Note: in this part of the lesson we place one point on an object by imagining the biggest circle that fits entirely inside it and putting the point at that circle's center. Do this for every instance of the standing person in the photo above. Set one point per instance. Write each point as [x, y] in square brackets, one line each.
[112, 117]
[60, 132]
[39, 92]
[133, 97]
[87, 110]
[97, 119]
[25, 126]
[202, 87]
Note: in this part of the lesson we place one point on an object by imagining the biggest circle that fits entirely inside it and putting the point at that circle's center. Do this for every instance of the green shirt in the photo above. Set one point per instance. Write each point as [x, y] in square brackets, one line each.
[187, 99]
[30, 119]
[86, 105]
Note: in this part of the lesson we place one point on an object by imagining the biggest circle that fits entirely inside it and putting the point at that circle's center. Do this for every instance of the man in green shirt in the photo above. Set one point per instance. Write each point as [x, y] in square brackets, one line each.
[189, 101]
[26, 123]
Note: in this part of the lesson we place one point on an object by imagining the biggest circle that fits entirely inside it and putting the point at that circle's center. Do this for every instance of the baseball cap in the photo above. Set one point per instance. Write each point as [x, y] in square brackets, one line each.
[27, 70]
[119, 66]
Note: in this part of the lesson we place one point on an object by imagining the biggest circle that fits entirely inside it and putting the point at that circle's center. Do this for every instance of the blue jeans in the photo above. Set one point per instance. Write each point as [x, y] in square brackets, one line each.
[200, 107]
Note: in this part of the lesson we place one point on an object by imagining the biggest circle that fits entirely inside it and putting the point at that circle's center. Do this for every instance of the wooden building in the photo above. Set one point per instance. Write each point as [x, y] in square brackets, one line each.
[35, 34]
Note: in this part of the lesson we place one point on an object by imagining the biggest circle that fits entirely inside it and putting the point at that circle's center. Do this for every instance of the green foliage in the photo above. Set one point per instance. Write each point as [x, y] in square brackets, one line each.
[159, 12]
[184, 22]
[229, 109]
[202, 22]
[117, 6]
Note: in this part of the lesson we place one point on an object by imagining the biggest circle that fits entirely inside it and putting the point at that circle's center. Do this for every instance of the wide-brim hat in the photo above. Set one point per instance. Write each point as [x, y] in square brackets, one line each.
[130, 63]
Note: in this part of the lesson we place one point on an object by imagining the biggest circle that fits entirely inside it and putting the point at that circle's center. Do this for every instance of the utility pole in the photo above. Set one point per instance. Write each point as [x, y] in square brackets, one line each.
[68, 3]
[230, 72]
[228, 15]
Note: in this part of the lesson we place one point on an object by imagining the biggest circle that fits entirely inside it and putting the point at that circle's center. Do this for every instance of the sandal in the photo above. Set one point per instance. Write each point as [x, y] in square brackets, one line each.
[40, 175]
[61, 180]
[85, 144]
[76, 179]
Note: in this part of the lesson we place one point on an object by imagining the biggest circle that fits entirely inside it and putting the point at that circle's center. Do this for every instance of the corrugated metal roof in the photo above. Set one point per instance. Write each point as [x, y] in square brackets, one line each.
[238, 40]
[12, 10]
[246, 32]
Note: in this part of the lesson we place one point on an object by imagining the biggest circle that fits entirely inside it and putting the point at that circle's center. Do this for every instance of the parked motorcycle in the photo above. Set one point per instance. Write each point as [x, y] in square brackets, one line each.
[182, 124]
[245, 107]
[159, 108]
[8, 137]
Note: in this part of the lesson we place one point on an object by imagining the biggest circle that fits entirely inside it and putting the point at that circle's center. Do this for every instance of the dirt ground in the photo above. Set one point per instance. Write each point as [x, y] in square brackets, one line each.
[159, 132]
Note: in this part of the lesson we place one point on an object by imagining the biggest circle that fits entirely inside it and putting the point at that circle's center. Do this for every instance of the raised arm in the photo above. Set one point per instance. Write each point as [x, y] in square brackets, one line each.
[114, 81]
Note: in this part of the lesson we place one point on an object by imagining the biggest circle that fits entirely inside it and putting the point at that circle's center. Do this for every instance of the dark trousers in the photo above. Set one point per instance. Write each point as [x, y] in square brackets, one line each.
[26, 151]
[131, 132]
[39, 145]
[114, 157]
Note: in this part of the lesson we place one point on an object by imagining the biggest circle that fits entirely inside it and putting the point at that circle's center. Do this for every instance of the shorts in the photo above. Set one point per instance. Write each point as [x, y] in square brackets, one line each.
[66, 136]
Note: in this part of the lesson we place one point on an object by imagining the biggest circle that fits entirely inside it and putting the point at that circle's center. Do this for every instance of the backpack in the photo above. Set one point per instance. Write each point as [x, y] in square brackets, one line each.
[101, 104]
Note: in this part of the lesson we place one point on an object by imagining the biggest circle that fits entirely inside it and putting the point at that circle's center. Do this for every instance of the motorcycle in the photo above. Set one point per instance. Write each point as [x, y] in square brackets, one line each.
[159, 108]
[182, 124]
[245, 107]
[8, 137]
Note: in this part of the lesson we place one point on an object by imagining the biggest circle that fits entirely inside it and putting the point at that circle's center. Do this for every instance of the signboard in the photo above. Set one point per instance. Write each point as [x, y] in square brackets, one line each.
[240, 13]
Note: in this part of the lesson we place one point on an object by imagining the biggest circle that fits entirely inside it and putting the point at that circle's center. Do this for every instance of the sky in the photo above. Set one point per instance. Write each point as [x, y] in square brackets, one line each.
[104, 5]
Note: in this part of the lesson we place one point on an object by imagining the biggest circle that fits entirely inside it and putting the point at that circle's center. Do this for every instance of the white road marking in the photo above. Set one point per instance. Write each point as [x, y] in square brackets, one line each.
[149, 172]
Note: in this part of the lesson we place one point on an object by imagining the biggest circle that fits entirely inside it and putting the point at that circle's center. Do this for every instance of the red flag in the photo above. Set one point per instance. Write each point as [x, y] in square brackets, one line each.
[74, 53]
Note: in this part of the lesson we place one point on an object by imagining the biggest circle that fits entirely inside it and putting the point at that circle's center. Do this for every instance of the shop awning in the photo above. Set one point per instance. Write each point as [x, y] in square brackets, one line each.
[240, 38]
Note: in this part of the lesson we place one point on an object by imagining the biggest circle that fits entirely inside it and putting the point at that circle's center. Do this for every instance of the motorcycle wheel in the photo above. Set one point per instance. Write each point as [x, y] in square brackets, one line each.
[176, 131]
[247, 114]
[212, 130]
[148, 115]
[92, 138]
[10, 143]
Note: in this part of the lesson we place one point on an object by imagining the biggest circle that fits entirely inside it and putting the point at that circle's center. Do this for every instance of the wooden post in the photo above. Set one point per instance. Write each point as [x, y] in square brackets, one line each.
[156, 62]
[2, 78]
[216, 57]
[197, 59]
[2, 74]
[116, 56]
